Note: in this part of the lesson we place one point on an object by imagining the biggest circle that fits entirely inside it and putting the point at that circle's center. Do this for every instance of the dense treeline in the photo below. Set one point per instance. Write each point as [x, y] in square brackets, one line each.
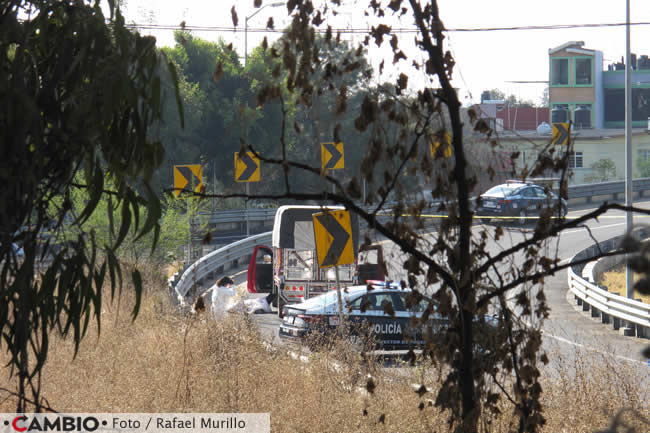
[222, 110]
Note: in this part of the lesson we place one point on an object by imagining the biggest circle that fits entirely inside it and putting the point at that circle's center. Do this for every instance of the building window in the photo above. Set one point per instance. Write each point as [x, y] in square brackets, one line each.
[575, 160]
[615, 105]
[560, 72]
[583, 71]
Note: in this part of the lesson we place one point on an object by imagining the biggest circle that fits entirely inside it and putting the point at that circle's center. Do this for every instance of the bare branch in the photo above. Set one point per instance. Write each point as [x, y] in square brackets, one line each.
[591, 235]
[411, 154]
[485, 299]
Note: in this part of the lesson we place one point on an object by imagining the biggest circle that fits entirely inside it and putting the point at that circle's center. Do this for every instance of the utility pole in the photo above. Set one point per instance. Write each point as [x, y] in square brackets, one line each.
[629, 276]
[273, 5]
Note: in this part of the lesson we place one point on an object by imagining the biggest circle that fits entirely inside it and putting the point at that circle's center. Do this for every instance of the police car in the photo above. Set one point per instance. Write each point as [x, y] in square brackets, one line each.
[392, 326]
[519, 200]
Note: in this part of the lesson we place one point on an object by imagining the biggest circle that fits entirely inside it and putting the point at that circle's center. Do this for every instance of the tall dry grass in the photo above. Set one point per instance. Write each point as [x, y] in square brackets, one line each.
[585, 390]
[165, 362]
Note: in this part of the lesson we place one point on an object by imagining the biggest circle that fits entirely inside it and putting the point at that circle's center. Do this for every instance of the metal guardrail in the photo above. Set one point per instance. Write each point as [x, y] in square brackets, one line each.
[254, 215]
[267, 217]
[220, 259]
[239, 215]
[607, 188]
[609, 306]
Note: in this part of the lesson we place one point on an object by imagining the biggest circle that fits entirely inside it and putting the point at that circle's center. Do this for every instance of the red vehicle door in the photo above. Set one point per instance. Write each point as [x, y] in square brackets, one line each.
[260, 270]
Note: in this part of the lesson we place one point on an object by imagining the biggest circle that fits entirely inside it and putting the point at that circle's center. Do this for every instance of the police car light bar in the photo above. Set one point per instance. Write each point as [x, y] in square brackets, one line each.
[382, 283]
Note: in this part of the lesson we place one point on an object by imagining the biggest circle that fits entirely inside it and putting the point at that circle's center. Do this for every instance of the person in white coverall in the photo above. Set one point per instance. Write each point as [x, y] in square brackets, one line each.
[223, 296]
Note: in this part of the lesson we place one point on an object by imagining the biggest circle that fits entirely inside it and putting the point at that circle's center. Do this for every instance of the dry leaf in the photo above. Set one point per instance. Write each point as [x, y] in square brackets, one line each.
[235, 20]
[317, 20]
[379, 32]
[218, 72]
[370, 385]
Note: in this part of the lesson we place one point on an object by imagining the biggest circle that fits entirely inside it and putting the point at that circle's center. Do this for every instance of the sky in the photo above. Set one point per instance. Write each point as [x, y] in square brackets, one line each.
[484, 60]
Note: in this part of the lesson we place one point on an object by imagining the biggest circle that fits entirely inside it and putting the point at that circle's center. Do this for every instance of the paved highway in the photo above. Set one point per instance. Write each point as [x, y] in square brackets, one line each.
[567, 324]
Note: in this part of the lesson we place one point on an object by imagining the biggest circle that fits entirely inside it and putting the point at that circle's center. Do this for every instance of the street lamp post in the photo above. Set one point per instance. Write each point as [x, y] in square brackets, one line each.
[273, 5]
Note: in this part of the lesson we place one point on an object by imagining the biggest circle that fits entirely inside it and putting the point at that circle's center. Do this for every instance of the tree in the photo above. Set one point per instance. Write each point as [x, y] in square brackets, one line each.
[604, 169]
[322, 118]
[213, 108]
[397, 127]
[643, 166]
[216, 110]
[79, 95]
[498, 95]
[174, 225]
[545, 100]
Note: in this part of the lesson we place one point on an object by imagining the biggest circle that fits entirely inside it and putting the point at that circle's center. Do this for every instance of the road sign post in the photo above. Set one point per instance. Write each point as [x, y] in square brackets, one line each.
[248, 193]
[196, 246]
[190, 178]
[561, 133]
[334, 244]
[333, 236]
[446, 150]
[188, 175]
[247, 169]
[332, 156]
[339, 297]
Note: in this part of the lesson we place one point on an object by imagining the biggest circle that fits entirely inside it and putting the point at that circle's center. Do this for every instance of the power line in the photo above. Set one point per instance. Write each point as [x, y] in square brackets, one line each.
[548, 27]
[226, 29]
[460, 72]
